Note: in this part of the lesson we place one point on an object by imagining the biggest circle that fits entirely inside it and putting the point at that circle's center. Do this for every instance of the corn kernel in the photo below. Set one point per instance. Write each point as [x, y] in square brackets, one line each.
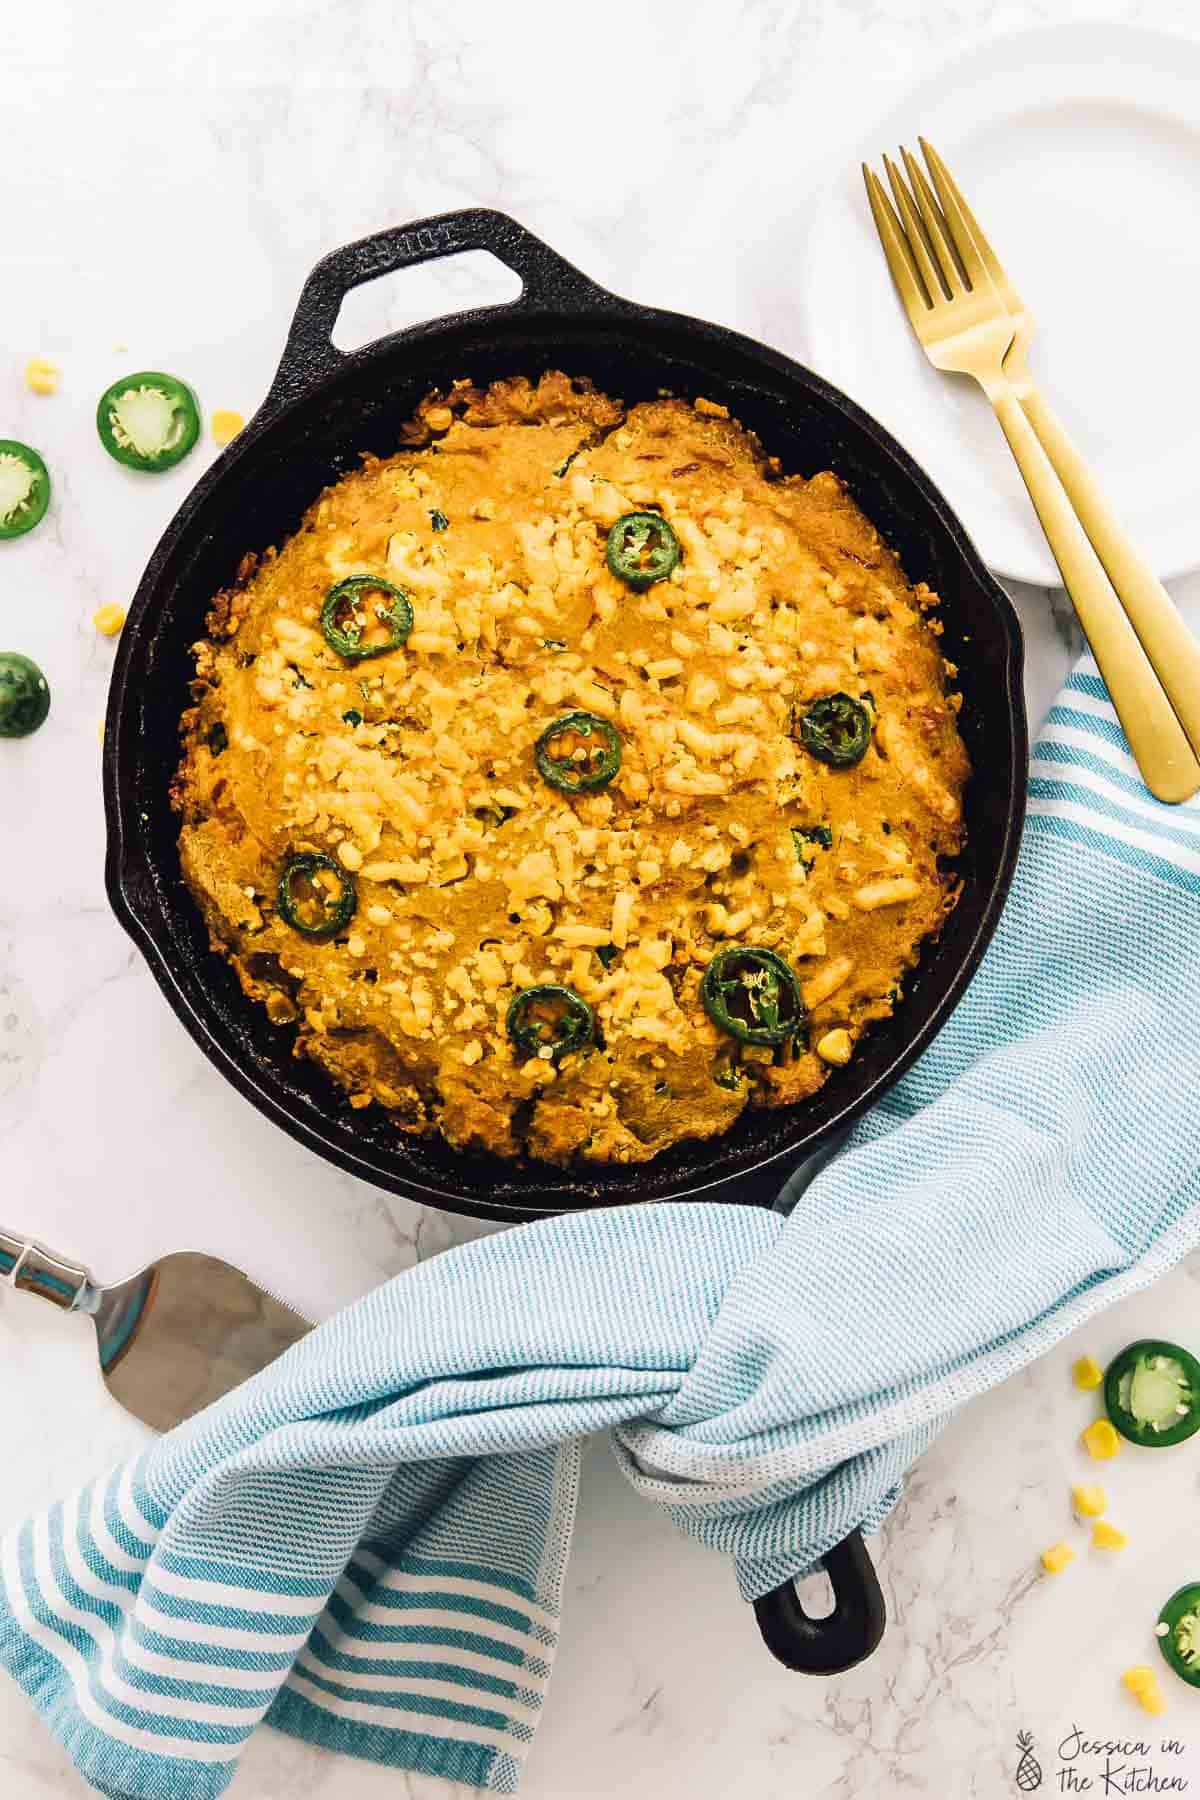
[1107, 1537]
[439, 418]
[1100, 1440]
[108, 619]
[225, 426]
[1142, 1683]
[1090, 1500]
[835, 1047]
[1087, 1373]
[1056, 1558]
[41, 375]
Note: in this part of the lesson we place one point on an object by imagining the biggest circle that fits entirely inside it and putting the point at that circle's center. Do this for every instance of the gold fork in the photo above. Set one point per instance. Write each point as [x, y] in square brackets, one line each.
[1165, 638]
[964, 327]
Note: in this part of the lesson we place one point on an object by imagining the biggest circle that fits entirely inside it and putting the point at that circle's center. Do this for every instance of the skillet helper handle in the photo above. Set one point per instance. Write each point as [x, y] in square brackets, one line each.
[547, 279]
[845, 1636]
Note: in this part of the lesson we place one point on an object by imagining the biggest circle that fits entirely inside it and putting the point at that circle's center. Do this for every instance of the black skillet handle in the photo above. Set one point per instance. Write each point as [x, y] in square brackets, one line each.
[847, 1635]
[547, 279]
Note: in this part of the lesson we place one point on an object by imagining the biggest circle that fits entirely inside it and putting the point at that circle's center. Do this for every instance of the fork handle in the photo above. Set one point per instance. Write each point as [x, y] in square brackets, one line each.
[1165, 638]
[1161, 750]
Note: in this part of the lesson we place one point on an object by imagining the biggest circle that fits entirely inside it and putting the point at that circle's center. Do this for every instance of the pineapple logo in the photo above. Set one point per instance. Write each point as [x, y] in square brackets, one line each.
[1029, 1769]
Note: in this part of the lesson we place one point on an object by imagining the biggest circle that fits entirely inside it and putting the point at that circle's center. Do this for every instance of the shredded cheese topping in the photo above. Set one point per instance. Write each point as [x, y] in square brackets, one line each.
[475, 877]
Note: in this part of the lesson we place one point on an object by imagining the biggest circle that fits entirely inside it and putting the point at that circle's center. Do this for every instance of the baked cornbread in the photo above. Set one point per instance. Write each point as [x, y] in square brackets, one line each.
[589, 701]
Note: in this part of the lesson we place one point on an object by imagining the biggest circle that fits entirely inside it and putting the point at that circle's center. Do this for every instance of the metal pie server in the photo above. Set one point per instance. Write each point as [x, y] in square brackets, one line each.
[171, 1339]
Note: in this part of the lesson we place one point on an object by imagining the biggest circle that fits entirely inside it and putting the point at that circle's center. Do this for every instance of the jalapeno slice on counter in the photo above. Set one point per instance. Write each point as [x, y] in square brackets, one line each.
[642, 549]
[348, 614]
[1178, 1633]
[148, 421]
[836, 730]
[24, 695]
[549, 1020]
[578, 753]
[1152, 1393]
[752, 994]
[316, 896]
[24, 488]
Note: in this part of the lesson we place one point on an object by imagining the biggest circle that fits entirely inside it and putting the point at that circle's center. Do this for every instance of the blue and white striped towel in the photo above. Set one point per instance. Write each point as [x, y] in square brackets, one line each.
[365, 1545]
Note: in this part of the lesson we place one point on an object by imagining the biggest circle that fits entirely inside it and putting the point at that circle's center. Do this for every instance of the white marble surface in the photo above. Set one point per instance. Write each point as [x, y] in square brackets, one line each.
[171, 173]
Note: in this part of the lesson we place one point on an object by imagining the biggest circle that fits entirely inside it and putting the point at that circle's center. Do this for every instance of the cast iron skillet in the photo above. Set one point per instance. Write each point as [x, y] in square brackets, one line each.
[323, 409]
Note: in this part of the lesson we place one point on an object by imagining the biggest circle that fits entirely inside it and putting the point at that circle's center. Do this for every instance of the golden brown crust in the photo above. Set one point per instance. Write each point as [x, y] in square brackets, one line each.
[474, 877]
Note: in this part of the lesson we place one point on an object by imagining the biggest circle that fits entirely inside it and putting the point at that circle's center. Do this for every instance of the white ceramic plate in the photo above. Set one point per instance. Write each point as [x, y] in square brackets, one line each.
[1079, 150]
